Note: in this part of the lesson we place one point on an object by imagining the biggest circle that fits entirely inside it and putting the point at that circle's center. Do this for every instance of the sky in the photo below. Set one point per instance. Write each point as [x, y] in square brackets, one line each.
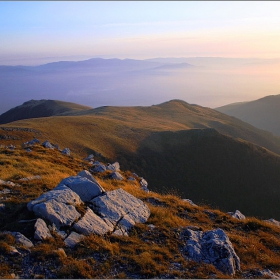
[32, 32]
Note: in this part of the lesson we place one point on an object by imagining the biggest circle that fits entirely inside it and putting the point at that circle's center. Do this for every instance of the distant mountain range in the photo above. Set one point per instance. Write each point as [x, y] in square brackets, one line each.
[263, 113]
[195, 151]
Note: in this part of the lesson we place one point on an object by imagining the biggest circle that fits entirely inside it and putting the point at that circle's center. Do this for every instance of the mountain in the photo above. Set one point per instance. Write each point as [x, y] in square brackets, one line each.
[40, 108]
[175, 238]
[263, 113]
[183, 148]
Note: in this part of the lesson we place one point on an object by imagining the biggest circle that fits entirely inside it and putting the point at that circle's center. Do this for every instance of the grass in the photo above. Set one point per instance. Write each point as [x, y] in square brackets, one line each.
[145, 253]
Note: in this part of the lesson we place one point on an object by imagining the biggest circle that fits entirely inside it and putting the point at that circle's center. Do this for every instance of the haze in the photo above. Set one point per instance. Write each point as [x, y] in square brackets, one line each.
[35, 33]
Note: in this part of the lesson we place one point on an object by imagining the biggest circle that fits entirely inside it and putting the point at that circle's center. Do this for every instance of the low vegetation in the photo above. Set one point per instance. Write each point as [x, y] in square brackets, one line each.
[148, 252]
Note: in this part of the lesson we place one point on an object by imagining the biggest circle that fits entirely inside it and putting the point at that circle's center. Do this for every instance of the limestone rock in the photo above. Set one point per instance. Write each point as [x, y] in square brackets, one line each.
[41, 230]
[36, 177]
[91, 223]
[61, 233]
[89, 158]
[66, 151]
[116, 176]
[48, 145]
[20, 238]
[121, 208]
[61, 193]
[99, 168]
[272, 221]
[73, 239]
[88, 175]
[213, 247]
[144, 185]
[61, 214]
[189, 201]
[114, 166]
[85, 188]
[237, 215]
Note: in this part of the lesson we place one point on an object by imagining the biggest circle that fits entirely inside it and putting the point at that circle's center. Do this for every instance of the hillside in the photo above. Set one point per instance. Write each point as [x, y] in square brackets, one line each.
[153, 249]
[161, 140]
[40, 108]
[263, 113]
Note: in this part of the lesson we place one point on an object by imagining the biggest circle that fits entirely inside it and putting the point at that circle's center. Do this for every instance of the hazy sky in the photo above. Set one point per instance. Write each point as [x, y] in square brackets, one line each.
[33, 32]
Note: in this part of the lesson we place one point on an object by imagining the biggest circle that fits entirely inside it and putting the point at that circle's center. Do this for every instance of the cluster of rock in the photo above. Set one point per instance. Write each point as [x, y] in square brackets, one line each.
[212, 247]
[113, 212]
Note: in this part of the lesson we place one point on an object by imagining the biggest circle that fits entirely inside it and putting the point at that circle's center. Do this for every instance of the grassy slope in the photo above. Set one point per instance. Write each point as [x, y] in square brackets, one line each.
[156, 142]
[145, 253]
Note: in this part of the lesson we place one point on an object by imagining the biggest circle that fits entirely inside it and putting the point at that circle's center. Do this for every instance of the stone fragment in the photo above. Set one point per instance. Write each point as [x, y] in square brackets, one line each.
[41, 230]
[114, 166]
[189, 201]
[48, 145]
[237, 215]
[66, 152]
[20, 238]
[99, 168]
[116, 176]
[213, 247]
[85, 188]
[91, 223]
[88, 175]
[73, 239]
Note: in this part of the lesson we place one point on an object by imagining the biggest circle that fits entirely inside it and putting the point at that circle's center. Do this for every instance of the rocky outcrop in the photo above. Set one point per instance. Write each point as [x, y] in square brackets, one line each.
[121, 209]
[237, 215]
[88, 175]
[85, 188]
[41, 230]
[213, 247]
[73, 239]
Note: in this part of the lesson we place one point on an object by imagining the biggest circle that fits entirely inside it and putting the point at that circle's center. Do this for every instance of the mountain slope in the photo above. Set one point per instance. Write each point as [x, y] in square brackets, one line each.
[185, 148]
[40, 108]
[263, 113]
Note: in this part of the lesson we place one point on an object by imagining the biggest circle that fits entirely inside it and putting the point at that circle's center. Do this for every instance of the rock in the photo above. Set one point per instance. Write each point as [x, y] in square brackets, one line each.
[237, 215]
[66, 151]
[20, 238]
[5, 191]
[41, 230]
[88, 175]
[114, 167]
[89, 158]
[268, 273]
[28, 150]
[84, 187]
[121, 208]
[99, 168]
[73, 239]
[31, 143]
[91, 223]
[116, 176]
[61, 214]
[156, 201]
[2, 206]
[272, 221]
[48, 145]
[61, 193]
[189, 201]
[144, 185]
[61, 233]
[131, 178]
[151, 226]
[14, 251]
[36, 177]
[213, 247]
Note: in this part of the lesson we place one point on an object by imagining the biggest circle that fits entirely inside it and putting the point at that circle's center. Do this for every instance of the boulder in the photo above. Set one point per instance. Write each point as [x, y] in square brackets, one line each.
[61, 193]
[73, 239]
[237, 215]
[99, 168]
[91, 223]
[66, 151]
[213, 247]
[121, 208]
[20, 238]
[116, 176]
[61, 214]
[114, 166]
[48, 145]
[88, 175]
[41, 230]
[85, 188]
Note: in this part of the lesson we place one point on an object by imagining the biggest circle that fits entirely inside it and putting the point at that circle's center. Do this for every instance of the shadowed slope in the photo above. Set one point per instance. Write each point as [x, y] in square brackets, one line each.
[263, 113]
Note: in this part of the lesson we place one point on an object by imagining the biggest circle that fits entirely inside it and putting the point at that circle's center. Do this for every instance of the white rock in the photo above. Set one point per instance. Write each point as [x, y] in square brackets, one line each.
[61, 193]
[213, 247]
[48, 145]
[73, 239]
[66, 151]
[114, 166]
[91, 223]
[88, 175]
[117, 205]
[189, 201]
[99, 168]
[60, 214]
[237, 215]
[20, 238]
[41, 230]
[85, 188]
[116, 176]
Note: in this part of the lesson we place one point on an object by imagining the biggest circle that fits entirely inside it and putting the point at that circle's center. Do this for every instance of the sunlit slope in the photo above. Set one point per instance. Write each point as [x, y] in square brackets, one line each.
[263, 113]
[40, 108]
